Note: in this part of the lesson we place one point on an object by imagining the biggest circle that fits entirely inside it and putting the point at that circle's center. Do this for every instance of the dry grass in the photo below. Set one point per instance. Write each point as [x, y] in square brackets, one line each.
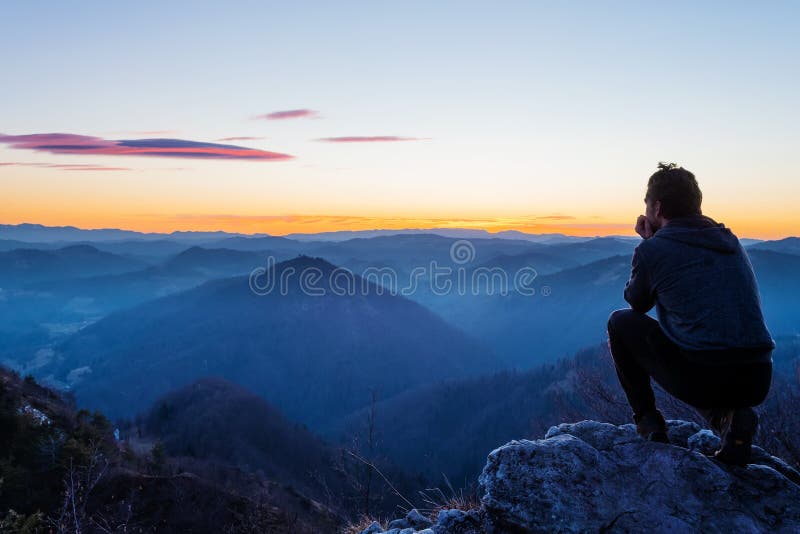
[362, 523]
[456, 500]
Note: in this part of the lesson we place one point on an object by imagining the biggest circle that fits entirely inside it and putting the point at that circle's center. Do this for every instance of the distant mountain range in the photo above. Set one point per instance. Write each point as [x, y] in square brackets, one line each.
[48, 290]
[788, 245]
[36, 233]
[287, 347]
[527, 330]
[25, 266]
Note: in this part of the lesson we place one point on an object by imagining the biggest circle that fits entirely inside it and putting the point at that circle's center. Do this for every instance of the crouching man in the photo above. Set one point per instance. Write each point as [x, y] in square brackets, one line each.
[710, 346]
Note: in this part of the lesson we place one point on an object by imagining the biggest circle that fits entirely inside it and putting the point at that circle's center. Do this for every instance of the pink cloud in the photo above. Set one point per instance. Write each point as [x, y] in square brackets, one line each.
[370, 139]
[149, 132]
[65, 143]
[241, 138]
[555, 217]
[289, 114]
[66, 166]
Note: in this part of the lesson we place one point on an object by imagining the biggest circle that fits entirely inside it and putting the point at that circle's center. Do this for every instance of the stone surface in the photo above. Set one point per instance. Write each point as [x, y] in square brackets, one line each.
[591, 476]
[599, 477]
[373, 528]
[418, 521]
[459, 522]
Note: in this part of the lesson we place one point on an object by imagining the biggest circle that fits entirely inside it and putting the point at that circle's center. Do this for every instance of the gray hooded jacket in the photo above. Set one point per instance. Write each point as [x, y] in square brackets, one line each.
[699, 277]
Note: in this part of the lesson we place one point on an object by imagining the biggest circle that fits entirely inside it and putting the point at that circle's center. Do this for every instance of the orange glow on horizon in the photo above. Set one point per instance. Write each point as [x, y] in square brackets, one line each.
[287, 224]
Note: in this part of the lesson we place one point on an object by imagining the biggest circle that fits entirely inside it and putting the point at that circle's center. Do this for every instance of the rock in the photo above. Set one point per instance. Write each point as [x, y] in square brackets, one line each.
[704, 441]
[398, 523]
[591, 476]
[459, 522]
[418, 521]
[374, 528]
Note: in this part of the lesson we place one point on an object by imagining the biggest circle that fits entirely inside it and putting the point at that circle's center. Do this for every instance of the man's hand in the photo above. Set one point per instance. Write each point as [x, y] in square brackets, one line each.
[643, 227]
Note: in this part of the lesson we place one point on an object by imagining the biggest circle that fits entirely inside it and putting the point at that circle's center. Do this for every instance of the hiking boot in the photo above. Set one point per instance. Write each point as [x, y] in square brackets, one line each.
[651, 426]
[737, 441]
[719, 419]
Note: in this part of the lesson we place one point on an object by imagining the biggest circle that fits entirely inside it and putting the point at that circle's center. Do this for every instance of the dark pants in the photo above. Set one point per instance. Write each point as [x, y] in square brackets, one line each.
[641, 350]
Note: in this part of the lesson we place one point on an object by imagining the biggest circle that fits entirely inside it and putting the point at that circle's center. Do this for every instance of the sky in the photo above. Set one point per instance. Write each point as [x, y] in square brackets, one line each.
[283, 117]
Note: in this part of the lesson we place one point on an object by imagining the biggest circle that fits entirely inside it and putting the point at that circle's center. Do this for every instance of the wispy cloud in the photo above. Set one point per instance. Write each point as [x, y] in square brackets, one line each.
[66, 166]
[148, 132]
[556, 217]
[66, 143]
[370, 139]
[241, 138]
[289, 114]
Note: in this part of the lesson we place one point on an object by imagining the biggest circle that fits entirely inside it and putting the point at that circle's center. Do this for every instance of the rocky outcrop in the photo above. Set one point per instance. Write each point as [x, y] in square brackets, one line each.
[598, 477]
[592, 476]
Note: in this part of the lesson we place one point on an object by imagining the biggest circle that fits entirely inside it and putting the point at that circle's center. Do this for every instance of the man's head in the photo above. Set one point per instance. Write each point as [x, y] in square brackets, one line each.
[672, 192]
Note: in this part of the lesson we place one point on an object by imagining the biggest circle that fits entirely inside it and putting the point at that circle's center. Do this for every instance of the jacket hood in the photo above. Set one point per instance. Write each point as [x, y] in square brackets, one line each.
[700, 231]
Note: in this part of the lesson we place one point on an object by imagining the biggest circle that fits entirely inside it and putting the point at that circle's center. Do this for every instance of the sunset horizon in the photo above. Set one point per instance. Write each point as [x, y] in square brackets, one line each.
[484, 118]
[283, 225]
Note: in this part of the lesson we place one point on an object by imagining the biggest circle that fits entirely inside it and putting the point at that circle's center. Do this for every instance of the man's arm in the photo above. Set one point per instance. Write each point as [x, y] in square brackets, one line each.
[638, 290]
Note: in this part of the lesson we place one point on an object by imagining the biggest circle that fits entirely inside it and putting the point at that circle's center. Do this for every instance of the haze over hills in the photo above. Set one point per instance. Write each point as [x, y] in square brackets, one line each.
[788, 245]
[20, 267]
[37, 233]
[39, 312]
[456, 233]
[285, 347]
[53, 302]
[526, 330]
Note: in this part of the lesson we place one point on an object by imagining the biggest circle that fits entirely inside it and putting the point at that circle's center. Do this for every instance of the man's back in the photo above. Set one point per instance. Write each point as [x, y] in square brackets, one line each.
[701, 281]
[710, 347]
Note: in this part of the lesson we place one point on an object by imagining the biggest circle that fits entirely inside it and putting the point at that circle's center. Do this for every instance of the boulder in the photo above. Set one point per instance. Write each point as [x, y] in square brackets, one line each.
[592, 476]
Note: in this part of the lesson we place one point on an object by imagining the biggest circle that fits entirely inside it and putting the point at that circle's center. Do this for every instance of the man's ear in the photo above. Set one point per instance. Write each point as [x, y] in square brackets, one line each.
[657, 209]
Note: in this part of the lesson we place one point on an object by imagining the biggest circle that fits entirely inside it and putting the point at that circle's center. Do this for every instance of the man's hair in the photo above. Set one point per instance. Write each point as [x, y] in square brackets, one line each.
[677, 190]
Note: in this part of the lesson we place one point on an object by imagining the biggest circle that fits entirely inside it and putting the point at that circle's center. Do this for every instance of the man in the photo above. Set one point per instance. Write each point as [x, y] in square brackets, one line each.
[710, 346]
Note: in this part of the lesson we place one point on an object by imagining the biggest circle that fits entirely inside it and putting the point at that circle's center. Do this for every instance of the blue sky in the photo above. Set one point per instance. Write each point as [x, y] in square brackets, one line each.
[519, 110]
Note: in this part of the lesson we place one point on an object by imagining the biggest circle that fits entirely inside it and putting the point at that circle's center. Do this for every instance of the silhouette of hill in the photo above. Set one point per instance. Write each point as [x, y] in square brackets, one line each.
[215, 262]
[64, 466]
[40, 313]
[542, 262]
[525, 330]
[313, 357]
[585, 252]
[447, 428]
[277, 243]
[39, 233]
[779, 286]
[789, 245]
[24, 266]
[221, 421]
[150, 251]
[191, 267]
